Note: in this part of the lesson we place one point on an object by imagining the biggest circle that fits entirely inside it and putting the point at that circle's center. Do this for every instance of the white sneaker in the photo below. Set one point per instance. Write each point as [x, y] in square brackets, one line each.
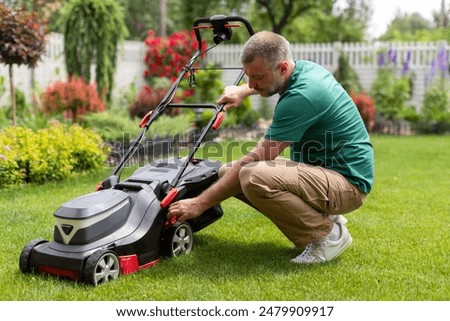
[325, 249]
[338, 219]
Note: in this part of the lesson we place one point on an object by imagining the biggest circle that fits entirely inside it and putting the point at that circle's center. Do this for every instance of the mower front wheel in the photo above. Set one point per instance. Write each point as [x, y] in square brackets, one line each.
[101, 267]
[24, 261]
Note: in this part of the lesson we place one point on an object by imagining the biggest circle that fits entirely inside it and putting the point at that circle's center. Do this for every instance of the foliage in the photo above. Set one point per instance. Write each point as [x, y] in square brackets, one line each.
[280, 13]
[414, 27]
[22, 37]
[405, 23]
[112, 126]
[49, 154]
[390, 89]
[244, 116]
[331, 23]
[148, 99]
[22, 41]
[435, 114]
[166, 57]
[92, 32]
[139, 20]
[241, 116]
[249, 118]
[366, 108]
[346, 76]
[73, 99]
[165, 60]
[436, 104]
[164, 126]
[207, 88]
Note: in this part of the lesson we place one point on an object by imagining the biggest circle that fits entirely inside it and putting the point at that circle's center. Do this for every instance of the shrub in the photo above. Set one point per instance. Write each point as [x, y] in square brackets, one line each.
[84, 152]
[113, 126]
[435, 113]
[392, 87]
[49, 154]
[366, 108]
[72, 99]
[346, 75]
[148, 99]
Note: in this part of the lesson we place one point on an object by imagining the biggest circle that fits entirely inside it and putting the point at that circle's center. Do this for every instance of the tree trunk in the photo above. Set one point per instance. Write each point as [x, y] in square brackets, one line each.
[13, 96]
[162, 18]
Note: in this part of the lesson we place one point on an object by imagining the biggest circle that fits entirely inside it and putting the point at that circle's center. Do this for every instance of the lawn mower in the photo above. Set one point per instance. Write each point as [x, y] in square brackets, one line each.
[122, 226]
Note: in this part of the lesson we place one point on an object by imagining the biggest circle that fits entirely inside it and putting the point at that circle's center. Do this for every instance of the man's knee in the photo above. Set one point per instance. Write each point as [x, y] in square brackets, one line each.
[252, 179]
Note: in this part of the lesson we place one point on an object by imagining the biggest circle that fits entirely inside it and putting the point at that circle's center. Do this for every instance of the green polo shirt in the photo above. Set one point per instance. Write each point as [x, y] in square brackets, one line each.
[324, 126]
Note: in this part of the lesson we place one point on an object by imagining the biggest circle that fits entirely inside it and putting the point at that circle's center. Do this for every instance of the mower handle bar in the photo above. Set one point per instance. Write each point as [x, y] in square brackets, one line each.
[221, 27]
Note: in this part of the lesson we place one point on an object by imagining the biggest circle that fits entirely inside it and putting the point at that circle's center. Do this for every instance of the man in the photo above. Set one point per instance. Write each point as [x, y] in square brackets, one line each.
[330, 170]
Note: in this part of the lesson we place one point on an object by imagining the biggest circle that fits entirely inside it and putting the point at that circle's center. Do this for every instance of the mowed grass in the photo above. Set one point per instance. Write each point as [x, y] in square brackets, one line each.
[400, 251]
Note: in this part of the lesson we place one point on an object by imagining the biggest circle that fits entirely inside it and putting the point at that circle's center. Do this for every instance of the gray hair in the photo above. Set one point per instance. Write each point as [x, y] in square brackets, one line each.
[271, 47]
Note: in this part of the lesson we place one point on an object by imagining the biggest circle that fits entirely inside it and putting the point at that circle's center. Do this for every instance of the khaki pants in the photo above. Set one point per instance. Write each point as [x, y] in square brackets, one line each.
[296, 197]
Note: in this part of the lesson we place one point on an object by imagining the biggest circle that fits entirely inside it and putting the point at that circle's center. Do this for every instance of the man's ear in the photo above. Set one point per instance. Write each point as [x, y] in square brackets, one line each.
[284, 67]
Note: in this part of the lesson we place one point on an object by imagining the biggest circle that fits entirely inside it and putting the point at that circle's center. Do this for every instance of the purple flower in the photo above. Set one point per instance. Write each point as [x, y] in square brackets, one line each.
[441, 60]
[381, 59]
[405, 68]
[432, 70]
[392, 56]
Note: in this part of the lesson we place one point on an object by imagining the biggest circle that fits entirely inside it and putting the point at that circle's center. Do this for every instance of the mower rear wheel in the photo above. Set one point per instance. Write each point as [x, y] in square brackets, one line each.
[178, 240]
[101, 267]
[24, 259]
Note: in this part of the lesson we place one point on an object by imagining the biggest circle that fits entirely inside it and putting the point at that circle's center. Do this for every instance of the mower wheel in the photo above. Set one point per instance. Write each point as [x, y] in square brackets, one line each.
[177, 240]
[25, 255]
[102, 266]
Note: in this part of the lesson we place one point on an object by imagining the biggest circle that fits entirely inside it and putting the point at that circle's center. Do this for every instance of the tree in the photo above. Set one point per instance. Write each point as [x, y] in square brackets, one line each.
[442, 17]
[92, 32]
[414, 27]
[405, 26]
[22, 41]
[281, 13]
[140, 16]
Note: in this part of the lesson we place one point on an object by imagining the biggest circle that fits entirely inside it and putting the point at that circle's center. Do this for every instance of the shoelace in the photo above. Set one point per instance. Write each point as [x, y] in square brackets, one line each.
[309, 252]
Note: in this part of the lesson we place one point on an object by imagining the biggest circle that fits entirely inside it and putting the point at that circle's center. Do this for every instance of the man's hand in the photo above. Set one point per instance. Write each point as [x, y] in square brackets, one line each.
[233, 96]
[185, 209]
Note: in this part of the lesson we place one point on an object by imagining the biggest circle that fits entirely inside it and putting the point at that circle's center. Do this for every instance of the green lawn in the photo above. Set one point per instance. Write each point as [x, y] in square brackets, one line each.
[401, 246]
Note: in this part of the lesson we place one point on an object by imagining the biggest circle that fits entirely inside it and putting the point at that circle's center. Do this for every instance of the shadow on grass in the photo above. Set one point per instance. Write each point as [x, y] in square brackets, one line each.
[214, 257]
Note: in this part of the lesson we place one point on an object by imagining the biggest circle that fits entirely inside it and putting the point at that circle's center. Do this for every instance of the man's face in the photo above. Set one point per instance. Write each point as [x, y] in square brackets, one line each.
[262, 78]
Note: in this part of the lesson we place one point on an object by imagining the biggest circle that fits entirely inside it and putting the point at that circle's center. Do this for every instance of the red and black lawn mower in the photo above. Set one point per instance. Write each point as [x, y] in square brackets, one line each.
[122, 227]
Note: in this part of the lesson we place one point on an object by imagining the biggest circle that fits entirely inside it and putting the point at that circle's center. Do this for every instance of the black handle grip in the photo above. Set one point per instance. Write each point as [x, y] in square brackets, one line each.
[220, 26]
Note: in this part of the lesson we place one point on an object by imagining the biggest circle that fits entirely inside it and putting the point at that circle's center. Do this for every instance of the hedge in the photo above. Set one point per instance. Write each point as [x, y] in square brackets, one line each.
[48, 154]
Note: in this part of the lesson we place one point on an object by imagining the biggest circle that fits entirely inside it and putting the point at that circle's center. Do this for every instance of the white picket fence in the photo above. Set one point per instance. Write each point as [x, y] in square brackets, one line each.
[363, 57]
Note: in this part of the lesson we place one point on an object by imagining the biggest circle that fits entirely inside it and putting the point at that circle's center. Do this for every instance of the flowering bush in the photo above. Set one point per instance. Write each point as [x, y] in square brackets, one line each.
[72, 99]
[436, 104]
[166, 57]
[366, 108]
[390, 89]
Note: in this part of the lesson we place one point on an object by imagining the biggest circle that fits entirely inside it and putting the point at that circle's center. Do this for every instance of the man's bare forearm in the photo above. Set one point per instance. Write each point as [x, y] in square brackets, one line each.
[225, 187]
